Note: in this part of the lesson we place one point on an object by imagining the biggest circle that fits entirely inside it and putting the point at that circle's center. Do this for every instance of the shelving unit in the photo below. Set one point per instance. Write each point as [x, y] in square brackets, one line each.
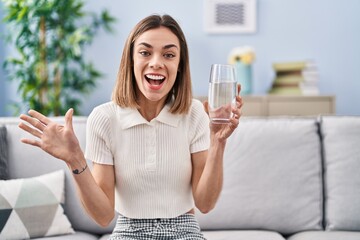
[272, 105]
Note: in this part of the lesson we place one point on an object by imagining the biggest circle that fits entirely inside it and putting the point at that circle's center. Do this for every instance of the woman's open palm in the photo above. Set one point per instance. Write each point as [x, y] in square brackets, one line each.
[56, 139]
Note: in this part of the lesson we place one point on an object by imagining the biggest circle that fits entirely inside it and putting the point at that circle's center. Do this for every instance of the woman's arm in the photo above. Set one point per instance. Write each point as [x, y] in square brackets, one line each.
[207, 173]
[96, 191]
[96, 188]
[207, 177]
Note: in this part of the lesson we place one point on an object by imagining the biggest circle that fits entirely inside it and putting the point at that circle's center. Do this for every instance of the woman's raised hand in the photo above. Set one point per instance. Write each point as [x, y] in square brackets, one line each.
[223, 131]
[56, 139]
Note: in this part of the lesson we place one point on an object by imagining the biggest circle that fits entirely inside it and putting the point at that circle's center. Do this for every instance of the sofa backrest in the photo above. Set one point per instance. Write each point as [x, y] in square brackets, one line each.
[272, 177]
[341, 139]
[28, 161]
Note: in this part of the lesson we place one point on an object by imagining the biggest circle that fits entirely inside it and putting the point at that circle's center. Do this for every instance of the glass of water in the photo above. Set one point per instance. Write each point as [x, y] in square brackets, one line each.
[222, 93]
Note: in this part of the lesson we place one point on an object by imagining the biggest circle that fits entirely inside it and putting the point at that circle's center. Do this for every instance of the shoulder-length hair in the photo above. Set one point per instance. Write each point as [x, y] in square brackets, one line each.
[180, 96]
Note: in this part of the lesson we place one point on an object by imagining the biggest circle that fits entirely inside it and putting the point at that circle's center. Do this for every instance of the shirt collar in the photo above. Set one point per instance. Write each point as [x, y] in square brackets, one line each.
[132, 117]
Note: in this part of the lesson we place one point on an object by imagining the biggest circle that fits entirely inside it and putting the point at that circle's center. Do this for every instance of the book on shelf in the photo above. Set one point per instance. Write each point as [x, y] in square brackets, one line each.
[295, 78]
[294, 66]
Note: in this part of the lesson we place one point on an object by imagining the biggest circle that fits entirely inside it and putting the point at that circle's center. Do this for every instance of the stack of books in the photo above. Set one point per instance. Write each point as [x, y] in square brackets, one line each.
[295, 78]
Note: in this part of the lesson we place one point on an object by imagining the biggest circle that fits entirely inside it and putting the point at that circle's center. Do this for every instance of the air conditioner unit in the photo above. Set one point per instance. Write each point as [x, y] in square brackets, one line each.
[230, 16]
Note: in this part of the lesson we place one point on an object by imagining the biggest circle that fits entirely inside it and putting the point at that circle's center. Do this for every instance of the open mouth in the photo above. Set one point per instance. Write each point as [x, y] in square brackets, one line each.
[154, 79]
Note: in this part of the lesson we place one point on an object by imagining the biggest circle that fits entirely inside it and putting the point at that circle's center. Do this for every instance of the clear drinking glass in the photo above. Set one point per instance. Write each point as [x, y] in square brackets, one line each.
[222, 93]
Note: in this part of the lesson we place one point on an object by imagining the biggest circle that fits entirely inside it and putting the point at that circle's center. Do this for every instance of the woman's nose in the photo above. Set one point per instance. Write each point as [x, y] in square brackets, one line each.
[156, 62]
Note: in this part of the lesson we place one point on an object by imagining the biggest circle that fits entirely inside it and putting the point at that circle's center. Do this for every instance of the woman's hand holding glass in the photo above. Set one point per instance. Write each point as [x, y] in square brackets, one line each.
[222, 93]
[223, 131]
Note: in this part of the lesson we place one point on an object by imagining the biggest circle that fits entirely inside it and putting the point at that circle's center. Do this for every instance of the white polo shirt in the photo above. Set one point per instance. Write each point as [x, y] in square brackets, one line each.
[152, 160]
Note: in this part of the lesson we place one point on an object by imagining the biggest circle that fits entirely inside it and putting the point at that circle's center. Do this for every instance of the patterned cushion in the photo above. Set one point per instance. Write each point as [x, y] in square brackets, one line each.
[3, 154]
[31, 207]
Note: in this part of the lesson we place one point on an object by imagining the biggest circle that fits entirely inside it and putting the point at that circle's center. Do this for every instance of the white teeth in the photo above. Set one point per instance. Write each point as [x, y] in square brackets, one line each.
[155, 77]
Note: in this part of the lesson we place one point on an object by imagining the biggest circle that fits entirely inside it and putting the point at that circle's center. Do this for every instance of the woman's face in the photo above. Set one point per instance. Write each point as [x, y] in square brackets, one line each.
[156, 60]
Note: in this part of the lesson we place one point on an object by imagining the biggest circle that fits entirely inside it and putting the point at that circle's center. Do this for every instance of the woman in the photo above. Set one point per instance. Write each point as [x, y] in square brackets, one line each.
[152, 148]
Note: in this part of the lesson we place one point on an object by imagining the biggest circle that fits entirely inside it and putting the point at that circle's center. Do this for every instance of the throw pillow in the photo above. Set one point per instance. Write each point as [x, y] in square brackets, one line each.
[3, 154]
[32, 207]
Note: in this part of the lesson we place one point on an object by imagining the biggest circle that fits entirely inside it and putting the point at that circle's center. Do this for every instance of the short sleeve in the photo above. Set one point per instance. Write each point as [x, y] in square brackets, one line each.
[98, 136]
[199, 128]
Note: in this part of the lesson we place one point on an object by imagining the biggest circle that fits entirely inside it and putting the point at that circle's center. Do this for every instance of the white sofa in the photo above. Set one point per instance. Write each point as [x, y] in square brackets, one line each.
[289, 178]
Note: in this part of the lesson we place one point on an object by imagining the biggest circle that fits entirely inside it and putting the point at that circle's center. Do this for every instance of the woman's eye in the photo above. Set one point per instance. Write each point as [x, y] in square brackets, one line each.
[144, 53]
[169, 55]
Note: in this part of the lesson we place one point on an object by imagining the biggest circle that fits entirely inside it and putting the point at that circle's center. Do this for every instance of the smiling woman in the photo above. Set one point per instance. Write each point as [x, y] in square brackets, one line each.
[156, 61]
[173, 51]
[152, 146]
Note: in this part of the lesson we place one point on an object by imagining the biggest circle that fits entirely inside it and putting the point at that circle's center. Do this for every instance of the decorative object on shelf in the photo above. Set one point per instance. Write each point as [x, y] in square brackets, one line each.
[242, 58]
[49, 37]
[295, 78]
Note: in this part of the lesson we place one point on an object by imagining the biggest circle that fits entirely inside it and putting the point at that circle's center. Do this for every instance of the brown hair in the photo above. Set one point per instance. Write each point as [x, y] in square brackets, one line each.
[124, 93]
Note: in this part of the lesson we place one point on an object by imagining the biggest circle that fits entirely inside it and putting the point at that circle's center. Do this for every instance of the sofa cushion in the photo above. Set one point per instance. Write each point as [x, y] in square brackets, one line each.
[31, 207]
[341, 139]
[272, 177]
[76, 236]
[233, 234]
[242, 235]
[3, 154]
[324, 235]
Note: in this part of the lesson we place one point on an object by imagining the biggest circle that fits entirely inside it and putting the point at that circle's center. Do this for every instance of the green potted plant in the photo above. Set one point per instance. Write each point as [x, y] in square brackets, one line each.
[50, 36]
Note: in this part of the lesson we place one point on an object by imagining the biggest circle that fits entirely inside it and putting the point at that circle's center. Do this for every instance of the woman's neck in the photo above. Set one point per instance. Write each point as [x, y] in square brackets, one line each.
[151, 109]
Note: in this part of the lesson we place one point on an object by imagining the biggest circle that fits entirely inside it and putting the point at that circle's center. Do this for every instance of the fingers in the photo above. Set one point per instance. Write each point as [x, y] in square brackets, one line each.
[206, 106]
[30, 130]
[31, 142]
[68, 118]
[238, 88]
[239, 104]
[35, 114]
[234, 121]
[239, 101]
[36, 131]
[33, 121]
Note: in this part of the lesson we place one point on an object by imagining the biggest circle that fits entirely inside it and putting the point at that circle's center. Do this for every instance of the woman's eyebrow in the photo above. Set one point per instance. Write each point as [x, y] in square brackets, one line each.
[145, 44]
[165, 47]
[170, 46]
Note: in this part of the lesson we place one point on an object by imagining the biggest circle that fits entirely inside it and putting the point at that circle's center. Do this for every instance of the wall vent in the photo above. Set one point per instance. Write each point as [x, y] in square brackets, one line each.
[230, 16]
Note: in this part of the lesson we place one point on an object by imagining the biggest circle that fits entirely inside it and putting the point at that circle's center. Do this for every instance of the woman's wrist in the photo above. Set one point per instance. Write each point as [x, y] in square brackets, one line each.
[79, 171]
[215, 139]
[77, 164]
[77, 168]
[217, 146]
